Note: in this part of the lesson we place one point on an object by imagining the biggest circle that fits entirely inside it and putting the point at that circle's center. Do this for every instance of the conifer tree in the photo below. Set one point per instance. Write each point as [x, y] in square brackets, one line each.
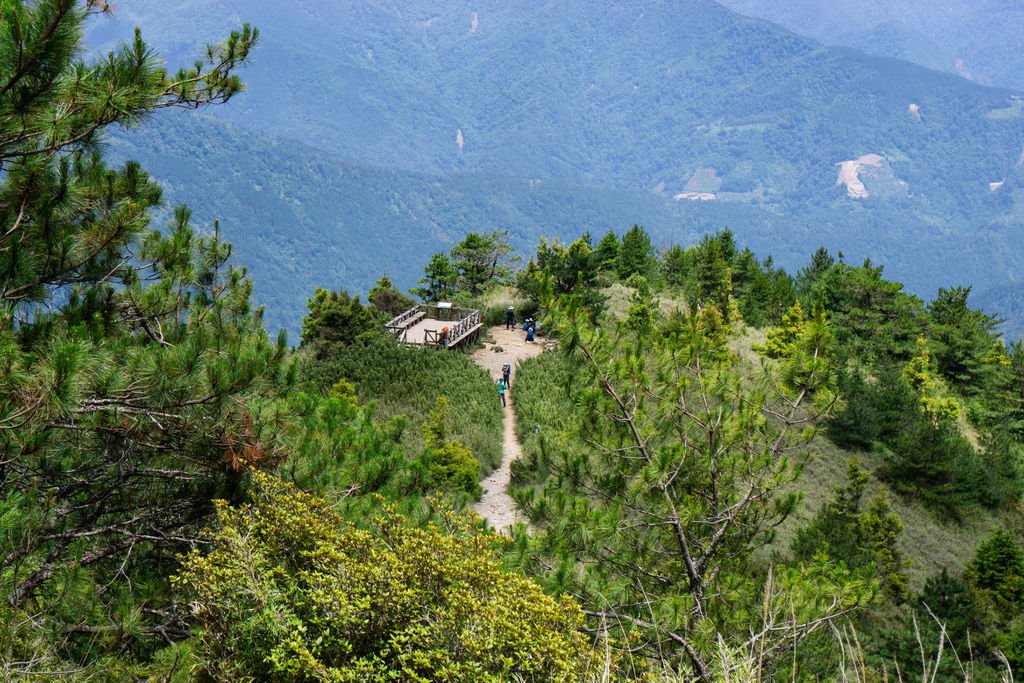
[964, 340]
[558, 269]
[675, 265]
[132, 365]
[335, 318]
[387, 300]
[482, 259]
[821, 262]
[439, 280]
[606, 254]
[636, 255]
[654, 524]
[779, 340]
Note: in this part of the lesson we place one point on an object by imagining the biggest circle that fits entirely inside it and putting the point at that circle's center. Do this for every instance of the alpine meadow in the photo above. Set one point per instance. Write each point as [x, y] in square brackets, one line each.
[390, 340]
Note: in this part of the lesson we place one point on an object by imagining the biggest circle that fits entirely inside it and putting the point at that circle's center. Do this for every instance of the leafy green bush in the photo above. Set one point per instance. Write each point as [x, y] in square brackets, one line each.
[291, 591]
[451, 464]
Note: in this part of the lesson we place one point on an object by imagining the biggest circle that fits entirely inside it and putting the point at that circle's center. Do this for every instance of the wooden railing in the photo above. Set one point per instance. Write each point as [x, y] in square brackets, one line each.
[463, 321]
[453, 334]
[405, 320]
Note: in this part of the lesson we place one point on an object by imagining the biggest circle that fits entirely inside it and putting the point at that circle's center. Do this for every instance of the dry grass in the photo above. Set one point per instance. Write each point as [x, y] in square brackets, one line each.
[503, 296]
[617, 300]
[929, 542]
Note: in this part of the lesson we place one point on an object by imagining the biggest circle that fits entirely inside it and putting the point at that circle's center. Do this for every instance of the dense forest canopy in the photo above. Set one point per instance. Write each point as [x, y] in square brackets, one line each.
[342, 160]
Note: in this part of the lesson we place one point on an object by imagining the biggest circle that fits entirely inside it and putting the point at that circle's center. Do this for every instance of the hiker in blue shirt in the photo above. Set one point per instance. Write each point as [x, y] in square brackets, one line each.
[530, 328]
[501, 391]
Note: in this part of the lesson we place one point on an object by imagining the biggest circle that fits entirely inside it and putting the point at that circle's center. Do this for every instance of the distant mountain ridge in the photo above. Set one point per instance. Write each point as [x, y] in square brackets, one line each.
[651, 99]
[976, 39]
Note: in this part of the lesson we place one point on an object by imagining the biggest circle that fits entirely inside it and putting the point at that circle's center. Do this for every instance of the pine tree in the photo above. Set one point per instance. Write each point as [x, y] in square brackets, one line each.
[779, 340]
[964, 340]
[636, 256]
[653, 524]
[607, 252]
[821, 262]
[866, 539]
[335, 318]
[482, 260]
[558, 270]
[675, 266]
[387, 300]
[134, 367]
[439, 280]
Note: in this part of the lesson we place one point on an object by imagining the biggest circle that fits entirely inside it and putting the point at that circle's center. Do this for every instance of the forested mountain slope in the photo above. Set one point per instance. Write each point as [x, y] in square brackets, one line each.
[977, 39]
[674, 103]
[302, 217]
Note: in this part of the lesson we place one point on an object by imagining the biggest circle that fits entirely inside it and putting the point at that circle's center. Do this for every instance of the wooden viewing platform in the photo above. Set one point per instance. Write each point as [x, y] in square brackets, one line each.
[440, 325]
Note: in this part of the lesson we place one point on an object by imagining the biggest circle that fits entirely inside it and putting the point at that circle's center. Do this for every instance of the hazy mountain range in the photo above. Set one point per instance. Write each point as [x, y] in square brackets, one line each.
[376, 132]
[976, 39]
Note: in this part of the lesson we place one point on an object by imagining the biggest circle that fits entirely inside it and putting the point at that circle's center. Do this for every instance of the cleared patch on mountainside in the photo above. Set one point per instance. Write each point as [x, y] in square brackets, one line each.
[695, 196]
[1011, 111]
[849, 174]
[869, 175]
[704, 179]
[960, 66]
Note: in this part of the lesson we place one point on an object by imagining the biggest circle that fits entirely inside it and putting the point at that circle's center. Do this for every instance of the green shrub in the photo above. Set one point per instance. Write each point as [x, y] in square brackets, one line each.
[1011, 644]
[451, 463]
[935, 463]
[863, 537]
[405, 381]
[291, 591]
[997, 573]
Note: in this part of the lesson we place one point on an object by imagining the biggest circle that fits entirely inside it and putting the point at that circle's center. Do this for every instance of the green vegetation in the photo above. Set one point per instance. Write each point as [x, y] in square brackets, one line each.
[155, 444]
[587, 417]
[647, 496]
[977, 40]
[353, 169]
[292, 591]
[405, 383]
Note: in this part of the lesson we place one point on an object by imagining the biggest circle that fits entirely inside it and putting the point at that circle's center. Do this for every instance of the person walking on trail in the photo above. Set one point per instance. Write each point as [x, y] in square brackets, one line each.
[501, 391]
[510, 319]
[529, 329]
[506, 374]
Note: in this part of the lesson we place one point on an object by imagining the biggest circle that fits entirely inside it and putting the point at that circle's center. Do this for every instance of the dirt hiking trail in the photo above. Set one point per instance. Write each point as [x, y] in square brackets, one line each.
[496, 506]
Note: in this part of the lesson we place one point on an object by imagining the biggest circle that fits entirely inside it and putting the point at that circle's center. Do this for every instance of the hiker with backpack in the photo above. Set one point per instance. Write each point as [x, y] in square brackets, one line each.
[506, 374]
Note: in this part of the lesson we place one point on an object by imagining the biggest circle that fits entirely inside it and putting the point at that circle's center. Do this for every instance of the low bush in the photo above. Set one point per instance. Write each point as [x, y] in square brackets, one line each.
[292, 591]
[406, 381]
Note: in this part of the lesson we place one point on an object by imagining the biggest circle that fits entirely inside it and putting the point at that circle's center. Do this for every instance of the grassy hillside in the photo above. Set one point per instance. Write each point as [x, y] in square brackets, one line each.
[929, 542]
